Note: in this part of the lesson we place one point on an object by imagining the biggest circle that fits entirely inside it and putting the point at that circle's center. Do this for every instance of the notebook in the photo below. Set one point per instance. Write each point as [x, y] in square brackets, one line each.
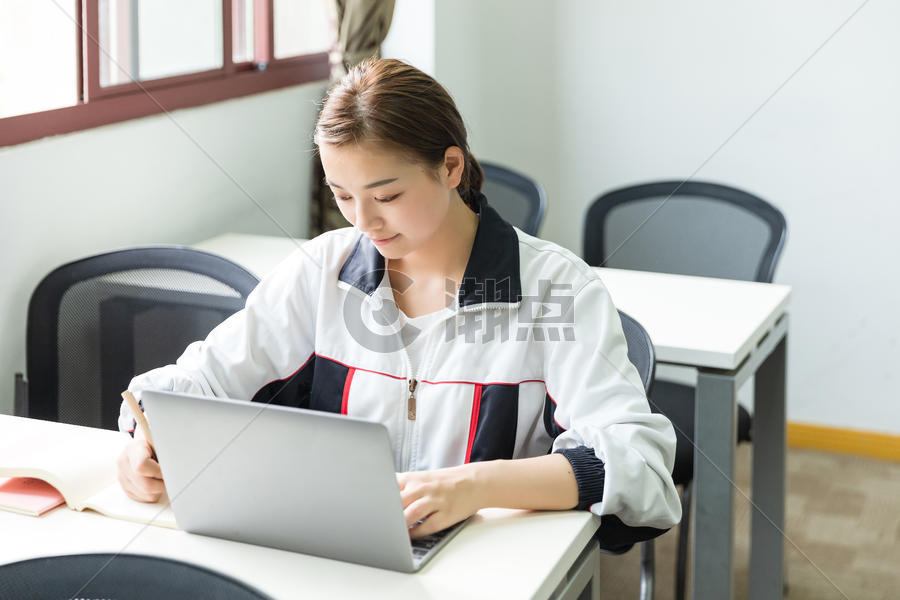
[294, 479]
[28, 496]
[78, 462]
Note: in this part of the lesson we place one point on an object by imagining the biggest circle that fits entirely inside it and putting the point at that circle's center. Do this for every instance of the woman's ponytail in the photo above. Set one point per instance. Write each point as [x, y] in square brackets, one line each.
[473, 175]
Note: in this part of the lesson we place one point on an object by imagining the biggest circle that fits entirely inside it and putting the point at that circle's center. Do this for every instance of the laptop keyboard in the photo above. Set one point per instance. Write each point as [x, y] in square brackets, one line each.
[422, 546]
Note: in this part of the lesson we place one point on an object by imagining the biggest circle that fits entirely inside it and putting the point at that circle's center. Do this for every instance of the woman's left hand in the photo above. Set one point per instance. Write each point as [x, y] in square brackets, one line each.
[439, 498]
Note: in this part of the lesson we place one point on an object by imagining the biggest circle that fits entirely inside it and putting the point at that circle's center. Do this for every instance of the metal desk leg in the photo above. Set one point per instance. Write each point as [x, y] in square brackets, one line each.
[713, 529]
[767, 542]
[581, 582]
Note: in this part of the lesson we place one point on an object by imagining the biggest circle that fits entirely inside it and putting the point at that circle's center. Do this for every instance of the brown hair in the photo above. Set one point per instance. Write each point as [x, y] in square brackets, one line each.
[389, 102]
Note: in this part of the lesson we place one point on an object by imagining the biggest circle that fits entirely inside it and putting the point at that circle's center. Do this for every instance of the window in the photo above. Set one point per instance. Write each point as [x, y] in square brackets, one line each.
[151, 40]
[293, 37]
[37, 38]
[67, 65]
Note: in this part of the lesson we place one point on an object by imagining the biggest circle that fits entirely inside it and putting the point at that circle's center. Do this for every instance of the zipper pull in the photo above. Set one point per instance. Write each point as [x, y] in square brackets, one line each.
[411, 406]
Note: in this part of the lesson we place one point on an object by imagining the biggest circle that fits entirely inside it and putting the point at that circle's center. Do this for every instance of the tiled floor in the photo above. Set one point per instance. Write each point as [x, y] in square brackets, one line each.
[843, 532]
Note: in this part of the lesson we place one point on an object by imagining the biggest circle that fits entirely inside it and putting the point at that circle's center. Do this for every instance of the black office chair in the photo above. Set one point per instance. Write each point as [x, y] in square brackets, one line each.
[119, 576]
[689, 228]
[519, 199]
[96, 322]
[643, 357]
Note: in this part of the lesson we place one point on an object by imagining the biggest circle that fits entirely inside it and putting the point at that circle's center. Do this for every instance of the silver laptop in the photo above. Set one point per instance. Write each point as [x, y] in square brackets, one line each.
[287, 478]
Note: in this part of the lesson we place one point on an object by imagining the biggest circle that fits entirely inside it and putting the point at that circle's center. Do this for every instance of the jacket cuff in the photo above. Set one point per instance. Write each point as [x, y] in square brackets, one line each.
[590, 474]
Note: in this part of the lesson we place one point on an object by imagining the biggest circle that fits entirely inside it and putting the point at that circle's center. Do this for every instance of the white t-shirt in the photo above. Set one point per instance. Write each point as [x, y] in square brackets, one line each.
[416, 347]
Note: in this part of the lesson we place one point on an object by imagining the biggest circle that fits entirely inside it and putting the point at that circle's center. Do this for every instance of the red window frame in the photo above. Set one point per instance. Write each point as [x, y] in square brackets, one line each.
[99, 105]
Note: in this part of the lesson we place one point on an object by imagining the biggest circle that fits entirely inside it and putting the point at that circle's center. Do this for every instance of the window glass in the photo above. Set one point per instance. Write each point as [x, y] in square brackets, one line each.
[242, 31]
[149, 40]
[302, 27]
[38, 49]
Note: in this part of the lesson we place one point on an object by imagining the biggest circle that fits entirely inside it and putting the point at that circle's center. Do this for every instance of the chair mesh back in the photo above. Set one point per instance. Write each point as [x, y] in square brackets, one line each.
[518, 198]
[116, 325]
[640, 350]
[687, 235]
[513, 205]
[119, 576]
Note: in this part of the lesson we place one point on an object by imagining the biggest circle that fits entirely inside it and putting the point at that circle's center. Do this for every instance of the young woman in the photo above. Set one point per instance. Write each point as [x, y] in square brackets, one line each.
[425, 316]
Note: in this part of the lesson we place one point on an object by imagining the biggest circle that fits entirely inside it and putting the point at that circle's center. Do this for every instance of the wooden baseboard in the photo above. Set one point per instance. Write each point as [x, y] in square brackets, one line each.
[848, 441]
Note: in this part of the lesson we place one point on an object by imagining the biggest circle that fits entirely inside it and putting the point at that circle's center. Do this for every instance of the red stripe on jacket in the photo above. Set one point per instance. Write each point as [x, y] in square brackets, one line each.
[476, 406]
[346, 394]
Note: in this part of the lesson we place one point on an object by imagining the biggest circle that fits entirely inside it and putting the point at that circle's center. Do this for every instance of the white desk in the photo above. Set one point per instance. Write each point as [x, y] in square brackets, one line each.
[500, 554]
[257, 253]
[728, 331]
[698, 321]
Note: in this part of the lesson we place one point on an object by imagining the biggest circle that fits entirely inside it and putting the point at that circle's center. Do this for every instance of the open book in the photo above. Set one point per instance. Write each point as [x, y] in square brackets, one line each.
[80, 462]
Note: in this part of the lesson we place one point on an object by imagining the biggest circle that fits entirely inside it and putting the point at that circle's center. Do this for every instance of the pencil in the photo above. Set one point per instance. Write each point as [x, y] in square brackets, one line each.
[139, 417]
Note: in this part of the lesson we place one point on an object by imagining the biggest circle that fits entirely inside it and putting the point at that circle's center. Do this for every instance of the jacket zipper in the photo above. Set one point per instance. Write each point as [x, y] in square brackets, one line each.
[406, 450]
[413, 383]
[411, 403]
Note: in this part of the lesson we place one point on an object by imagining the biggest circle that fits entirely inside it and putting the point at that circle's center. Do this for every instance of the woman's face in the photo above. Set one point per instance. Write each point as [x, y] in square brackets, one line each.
[397, 204]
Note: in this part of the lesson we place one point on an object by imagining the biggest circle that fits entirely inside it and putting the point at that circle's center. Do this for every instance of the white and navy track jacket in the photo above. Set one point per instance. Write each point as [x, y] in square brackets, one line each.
[531, 358]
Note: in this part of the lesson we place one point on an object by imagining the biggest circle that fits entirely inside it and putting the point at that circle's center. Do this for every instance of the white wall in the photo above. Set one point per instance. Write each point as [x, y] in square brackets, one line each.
[587, 96]
[148, 181]
[498, 60]
[411, 36]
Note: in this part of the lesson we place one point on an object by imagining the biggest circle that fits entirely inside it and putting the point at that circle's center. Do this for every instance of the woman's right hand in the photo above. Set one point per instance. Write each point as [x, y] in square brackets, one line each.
[139, 472]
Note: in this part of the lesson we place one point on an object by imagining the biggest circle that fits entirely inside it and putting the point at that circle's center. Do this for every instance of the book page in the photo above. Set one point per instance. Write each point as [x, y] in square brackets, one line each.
[112, 502]
[77, 461]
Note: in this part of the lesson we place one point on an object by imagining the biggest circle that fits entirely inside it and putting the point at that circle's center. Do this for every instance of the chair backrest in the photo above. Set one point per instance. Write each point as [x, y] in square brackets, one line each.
[688, 228]
[519, 199]
[120, 575]
[640, 350]
[96, 322]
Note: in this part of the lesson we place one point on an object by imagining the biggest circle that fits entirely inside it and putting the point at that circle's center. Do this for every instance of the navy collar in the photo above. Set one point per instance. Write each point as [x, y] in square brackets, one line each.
[491, 276]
